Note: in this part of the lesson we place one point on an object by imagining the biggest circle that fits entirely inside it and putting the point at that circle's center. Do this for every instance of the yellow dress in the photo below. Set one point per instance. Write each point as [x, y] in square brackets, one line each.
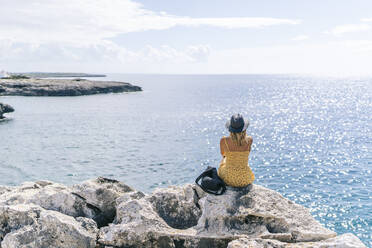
[234, 169]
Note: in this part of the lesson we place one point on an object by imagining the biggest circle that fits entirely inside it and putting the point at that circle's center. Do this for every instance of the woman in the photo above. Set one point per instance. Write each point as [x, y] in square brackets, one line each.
[234, 169]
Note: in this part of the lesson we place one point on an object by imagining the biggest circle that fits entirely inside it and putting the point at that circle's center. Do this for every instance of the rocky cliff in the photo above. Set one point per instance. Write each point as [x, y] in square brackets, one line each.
[105, 213]
[5, 108]
[61, 87]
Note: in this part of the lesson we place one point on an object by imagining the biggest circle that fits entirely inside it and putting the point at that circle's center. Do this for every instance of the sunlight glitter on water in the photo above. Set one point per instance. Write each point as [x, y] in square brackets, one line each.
[312, 138]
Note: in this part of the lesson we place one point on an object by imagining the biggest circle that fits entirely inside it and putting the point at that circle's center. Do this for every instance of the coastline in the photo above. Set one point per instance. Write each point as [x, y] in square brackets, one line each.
[62, 87]
[106, 213]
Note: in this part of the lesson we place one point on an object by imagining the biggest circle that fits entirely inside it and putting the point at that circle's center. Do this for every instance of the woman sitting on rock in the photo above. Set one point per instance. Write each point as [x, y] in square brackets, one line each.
[234, 169]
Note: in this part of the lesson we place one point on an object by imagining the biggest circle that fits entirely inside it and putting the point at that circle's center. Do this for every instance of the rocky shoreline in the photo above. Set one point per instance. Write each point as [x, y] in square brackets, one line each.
[105, 213]
[5, 108]
[61, 87]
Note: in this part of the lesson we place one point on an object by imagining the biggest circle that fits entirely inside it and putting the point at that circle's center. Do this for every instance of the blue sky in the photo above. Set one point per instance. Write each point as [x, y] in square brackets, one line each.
[174, 36]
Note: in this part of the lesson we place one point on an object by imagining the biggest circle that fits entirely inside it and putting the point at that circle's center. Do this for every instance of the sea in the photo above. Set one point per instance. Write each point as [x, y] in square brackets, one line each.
[312, 137]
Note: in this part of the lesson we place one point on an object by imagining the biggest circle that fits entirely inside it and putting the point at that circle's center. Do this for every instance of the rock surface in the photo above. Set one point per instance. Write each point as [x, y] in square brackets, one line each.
[259, 212]
[61, 87]
[5, 108]
[107, 213]
[32, 226]
[345, 241]
[101, 194]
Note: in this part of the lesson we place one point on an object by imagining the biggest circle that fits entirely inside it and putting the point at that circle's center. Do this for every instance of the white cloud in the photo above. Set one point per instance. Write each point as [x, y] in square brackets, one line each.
[75, 35]
[331, 58]
[234, 22]
[77, 21]
[100, 56]
[301, 37]
[349, 28]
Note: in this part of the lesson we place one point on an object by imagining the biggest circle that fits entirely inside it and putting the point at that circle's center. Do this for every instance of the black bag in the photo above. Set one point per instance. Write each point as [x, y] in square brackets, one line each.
[211, 182]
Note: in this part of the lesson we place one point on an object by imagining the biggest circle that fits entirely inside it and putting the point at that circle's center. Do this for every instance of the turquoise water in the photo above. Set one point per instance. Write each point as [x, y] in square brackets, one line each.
[312, 138]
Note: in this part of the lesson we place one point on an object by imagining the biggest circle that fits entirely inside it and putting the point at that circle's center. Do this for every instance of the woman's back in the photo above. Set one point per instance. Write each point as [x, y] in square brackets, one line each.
[234, 169]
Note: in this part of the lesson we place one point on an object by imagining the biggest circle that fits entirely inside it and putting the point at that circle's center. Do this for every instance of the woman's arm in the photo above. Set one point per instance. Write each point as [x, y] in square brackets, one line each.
[250, 141]
[222, 147]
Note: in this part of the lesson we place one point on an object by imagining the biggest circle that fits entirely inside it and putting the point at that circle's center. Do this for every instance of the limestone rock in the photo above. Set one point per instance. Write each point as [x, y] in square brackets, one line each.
[181, 209]
[136, 222]
[342, 241]
[139, 223]
[93, 199]
[5, 108]
[47, 214]
[259, 212]
[4, 189]
[52, 229]
[50, 196]
[15, 217]
[101, 194]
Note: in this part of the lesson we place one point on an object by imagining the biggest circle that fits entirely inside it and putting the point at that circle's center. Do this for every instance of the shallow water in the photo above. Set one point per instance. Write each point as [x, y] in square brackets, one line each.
[312, 138]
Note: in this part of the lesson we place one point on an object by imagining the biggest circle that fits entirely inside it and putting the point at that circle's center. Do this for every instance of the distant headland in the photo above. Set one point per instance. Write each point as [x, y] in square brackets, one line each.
[24, 85]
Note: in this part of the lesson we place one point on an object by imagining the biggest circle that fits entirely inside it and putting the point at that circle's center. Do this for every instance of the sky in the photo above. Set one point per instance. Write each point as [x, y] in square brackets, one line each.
[327, 37]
